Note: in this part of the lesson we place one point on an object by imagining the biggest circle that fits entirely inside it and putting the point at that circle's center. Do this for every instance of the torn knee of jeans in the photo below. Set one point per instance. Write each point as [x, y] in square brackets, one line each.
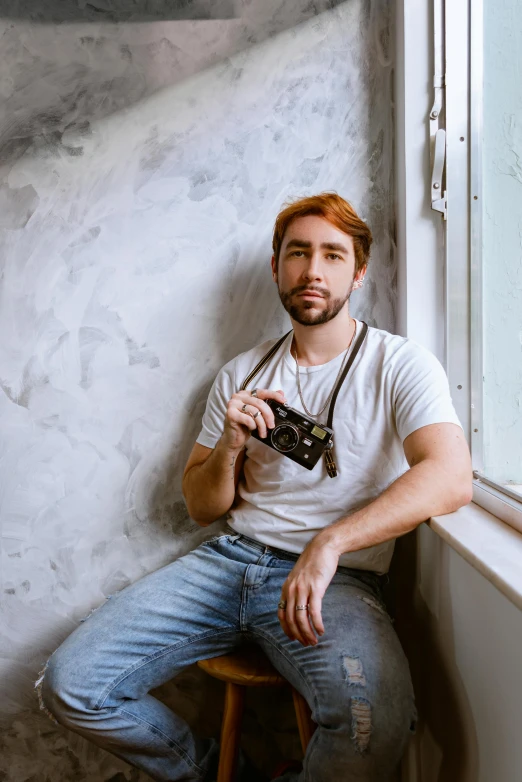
[361, 723]
[374, 604]
[353, 670]
[38, 687]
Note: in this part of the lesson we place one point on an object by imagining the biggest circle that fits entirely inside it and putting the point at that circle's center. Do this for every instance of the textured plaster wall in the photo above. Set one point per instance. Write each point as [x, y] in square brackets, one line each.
[144, 159]
[502, 246]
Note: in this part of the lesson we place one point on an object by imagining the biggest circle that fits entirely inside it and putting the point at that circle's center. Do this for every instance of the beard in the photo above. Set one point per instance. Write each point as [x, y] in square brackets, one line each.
[305, 312]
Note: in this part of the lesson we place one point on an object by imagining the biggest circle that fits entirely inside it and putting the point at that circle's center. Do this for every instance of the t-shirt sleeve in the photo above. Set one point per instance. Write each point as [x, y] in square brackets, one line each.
[213, 421]
[421, 391]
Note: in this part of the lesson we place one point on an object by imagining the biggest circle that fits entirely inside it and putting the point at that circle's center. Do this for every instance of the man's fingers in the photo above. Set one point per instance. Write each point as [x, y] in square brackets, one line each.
[291, 621]
[303, 619]
[281, 613]
[297, 620]
[255, 406]
[267, 393]
[264, 417]
[290, 629]
[246, 417]
[314, 613]
[259, 417]
[302, 624]
[248, 420]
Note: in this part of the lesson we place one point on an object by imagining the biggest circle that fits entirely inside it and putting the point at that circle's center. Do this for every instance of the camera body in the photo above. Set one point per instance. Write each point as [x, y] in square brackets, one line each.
[296, 435]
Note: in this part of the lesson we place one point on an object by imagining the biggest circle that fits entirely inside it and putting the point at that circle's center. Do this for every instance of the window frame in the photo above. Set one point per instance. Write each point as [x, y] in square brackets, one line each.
[464, 77]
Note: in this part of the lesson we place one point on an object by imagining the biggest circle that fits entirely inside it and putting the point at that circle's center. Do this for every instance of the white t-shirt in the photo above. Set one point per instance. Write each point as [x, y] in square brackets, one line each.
[394, 387]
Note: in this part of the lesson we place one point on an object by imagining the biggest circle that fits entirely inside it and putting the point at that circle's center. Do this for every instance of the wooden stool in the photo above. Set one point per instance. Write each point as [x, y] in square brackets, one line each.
[248, 667]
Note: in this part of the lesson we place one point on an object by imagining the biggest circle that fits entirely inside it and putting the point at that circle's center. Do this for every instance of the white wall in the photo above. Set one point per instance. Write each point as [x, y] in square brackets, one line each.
[145, 163]
[462, 636]
[467, 671]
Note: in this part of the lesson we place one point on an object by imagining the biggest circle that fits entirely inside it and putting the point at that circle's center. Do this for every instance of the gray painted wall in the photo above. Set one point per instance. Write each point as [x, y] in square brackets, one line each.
[144, 163]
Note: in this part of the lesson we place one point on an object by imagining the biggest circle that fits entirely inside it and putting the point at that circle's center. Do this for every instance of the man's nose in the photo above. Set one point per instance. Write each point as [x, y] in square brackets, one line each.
[312, 270]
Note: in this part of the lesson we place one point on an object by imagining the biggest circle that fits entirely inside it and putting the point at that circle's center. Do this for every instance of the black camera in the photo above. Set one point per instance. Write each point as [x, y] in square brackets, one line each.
[296, 436]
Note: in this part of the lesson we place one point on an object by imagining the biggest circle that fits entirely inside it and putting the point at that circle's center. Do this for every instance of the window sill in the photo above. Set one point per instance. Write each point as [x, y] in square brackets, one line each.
[488, 544]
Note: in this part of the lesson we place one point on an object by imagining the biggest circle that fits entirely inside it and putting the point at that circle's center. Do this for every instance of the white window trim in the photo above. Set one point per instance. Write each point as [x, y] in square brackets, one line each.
[435, 300]
[490, 546]
[464, 102]
[476, 77]
[499, 504]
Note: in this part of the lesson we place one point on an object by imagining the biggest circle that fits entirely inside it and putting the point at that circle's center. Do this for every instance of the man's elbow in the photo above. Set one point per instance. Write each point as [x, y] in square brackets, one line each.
[201, 516]
[194, 512]
[200, 521]
[462, 492]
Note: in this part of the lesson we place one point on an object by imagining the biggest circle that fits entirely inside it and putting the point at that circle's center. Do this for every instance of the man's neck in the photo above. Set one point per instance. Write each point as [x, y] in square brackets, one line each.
[315, 345]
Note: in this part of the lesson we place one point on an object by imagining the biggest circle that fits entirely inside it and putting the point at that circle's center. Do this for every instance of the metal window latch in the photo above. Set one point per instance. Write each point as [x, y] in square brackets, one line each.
[437, 133]
[438, 196]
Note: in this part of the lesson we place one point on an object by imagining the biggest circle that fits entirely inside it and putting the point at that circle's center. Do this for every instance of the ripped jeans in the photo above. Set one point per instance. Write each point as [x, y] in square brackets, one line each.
[356, 679]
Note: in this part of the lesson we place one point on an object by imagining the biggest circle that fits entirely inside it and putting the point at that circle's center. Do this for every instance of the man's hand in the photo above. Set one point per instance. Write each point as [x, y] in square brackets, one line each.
[239, 424]
[306, 584]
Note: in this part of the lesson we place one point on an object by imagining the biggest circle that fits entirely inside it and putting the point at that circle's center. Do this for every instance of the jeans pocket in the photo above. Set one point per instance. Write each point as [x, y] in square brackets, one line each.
[218, 538]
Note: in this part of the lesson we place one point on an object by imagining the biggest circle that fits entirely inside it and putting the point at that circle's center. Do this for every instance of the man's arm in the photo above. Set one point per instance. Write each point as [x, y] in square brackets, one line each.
[211, 474]
[209, 481]
[439, 482]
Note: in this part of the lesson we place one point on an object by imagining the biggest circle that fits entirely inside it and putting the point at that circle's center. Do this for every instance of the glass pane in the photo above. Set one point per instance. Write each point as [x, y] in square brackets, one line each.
[502, 242]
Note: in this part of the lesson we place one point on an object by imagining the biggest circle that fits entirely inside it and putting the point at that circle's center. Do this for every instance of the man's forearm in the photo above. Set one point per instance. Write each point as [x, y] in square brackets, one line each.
[423, 491]
[209, 488]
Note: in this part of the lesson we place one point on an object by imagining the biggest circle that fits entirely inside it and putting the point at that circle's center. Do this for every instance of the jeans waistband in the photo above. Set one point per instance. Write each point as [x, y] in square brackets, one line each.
[278, 552]
[363, 575]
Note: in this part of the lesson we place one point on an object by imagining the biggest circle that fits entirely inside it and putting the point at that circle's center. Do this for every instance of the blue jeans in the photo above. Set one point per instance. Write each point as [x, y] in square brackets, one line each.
[206, 603]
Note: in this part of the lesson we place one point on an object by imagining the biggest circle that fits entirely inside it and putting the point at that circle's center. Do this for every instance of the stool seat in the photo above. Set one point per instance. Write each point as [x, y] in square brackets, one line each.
[250, 668]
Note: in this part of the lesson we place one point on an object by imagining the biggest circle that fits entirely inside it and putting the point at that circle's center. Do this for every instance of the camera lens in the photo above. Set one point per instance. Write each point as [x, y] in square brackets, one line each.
[285, 437]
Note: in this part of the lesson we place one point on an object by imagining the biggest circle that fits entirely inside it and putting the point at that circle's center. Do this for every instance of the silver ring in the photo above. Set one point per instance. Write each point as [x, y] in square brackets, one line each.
[255, 416]
[243, 409]
[254, 393]
[301, 608]
[282, 604]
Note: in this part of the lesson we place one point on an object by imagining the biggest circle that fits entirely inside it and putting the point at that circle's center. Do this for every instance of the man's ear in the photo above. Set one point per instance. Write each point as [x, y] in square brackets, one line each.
[274, 268]
[359, 278]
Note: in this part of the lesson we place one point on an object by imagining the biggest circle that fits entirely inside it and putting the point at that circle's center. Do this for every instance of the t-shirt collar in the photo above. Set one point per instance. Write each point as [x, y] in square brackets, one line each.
[290, 360]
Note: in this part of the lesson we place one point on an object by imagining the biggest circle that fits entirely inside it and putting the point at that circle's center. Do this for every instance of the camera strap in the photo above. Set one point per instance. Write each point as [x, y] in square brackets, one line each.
[330, 462]
[266, 358]
[331, 467]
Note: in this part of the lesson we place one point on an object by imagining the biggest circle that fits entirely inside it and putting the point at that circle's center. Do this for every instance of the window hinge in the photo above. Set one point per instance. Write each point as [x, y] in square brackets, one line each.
[438, 196]
[437, 133]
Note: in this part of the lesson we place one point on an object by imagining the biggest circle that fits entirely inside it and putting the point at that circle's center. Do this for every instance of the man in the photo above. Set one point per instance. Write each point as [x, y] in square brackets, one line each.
[299, 568]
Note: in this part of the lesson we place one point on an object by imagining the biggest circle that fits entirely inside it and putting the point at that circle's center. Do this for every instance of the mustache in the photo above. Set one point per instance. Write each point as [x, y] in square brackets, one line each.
[301, 288]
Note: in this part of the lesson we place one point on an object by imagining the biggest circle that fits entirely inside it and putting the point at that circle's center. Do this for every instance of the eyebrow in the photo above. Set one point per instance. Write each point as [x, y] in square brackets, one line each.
[325, 245]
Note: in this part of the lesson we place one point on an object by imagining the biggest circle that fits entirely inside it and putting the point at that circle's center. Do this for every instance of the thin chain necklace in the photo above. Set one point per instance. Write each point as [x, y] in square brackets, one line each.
[316, 415]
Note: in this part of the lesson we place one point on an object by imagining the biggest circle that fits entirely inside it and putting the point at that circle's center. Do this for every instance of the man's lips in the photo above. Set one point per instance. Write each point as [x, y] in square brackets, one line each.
[311, 295]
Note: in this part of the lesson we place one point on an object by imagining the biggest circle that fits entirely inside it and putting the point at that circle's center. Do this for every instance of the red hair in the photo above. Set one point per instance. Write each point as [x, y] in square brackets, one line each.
[337, 211]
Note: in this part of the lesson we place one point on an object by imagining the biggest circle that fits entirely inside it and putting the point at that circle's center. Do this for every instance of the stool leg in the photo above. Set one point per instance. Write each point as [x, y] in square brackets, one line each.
[303, 714]
[231, 732]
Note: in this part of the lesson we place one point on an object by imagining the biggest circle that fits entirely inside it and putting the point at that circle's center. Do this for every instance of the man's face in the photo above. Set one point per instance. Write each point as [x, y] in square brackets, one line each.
[315, 274]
